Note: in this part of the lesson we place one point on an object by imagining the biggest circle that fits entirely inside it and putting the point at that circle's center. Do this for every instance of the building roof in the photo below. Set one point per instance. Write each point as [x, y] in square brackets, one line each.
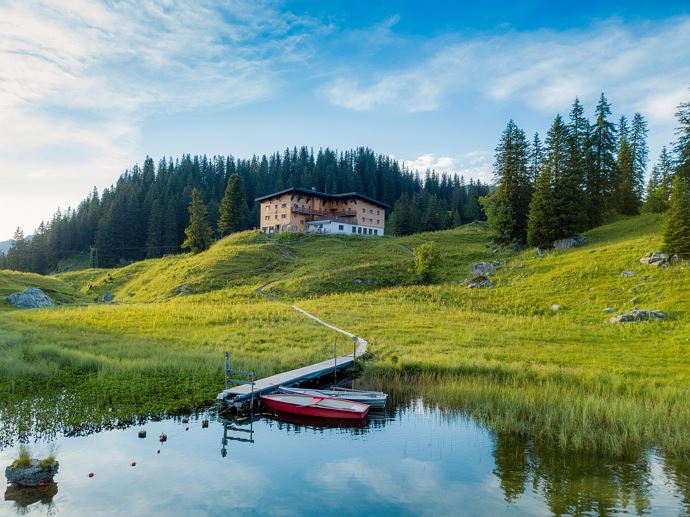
[310, 192]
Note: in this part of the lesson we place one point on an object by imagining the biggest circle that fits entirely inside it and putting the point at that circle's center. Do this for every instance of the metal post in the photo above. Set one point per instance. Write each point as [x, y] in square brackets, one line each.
[227, 368]
[354, 349]
[335, 359]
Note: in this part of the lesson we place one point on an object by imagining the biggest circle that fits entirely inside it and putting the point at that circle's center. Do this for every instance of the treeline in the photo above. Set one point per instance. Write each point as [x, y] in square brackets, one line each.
[583, 173]
[145, 214]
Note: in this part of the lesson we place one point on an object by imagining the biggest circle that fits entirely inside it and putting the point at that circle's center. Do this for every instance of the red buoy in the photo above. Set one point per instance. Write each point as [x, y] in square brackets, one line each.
[163, 437]
[41, 483]
[90, 474]
[158, 451]
[134, 464]
[186, 428]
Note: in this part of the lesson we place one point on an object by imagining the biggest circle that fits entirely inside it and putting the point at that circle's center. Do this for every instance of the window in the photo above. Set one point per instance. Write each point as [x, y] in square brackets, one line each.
[283, 216]
[341, 227]
[276, 207]
[276, 216]
[376, 232]
[371, 211]
[283, 205]
[378, 212]
[371, 220]
[371, 231]
[364, 210]
[354, 229]
[378, 221]
[294, 227]
[267, 218]
[359, 230]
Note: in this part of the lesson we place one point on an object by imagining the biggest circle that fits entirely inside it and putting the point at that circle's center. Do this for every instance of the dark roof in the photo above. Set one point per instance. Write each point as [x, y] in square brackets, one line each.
[310, 192]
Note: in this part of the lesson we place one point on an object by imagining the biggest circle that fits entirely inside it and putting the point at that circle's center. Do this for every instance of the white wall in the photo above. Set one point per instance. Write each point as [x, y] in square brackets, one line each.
[336, 228]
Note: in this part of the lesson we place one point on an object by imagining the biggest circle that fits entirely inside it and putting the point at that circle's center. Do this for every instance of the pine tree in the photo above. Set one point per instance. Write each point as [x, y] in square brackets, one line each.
[601, 180]
[682, 145]
[154, 235]
[659, 188]
[17, 255]
[541, 230]
[535, 157]
[640, 152]
[199, 236]
[628, 201]
[677, 219]
[507, 207]
[233, 208]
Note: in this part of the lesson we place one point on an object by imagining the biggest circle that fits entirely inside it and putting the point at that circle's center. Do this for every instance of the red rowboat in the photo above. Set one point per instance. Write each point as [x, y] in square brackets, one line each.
[322, 407]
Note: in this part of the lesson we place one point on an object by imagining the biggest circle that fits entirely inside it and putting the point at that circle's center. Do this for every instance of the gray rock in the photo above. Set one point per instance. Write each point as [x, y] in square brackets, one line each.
[483, 268]
[540, 252]
[183, 288]
[32, 298]
[633, 300]
[656, 258]
[628, 273]
[33, 475]
[108, 296]
[481, 284]
[638, 315]
[555, 307]
[359, 281]
[609, 310]
[570, 242]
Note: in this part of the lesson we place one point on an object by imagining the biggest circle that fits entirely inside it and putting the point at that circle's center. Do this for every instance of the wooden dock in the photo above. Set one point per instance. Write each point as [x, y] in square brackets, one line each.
[243, 392]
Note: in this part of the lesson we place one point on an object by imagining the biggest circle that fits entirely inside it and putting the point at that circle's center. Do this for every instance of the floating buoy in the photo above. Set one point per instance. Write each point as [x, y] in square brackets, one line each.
[91, 474]
[163, 437]
[134, 463]
[204, 423]
[41, 483]
[142, 434]
[185, 420]
[186, 428]
[158, 451]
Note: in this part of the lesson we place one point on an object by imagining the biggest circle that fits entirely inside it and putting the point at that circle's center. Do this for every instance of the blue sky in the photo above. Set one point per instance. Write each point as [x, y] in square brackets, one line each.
[89, 88]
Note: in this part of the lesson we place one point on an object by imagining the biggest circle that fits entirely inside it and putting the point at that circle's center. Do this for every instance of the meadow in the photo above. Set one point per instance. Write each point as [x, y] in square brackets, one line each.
[566, 376]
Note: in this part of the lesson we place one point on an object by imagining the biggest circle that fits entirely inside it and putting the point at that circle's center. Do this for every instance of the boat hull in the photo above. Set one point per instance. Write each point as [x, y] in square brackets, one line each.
[373, 400]
[275, 403]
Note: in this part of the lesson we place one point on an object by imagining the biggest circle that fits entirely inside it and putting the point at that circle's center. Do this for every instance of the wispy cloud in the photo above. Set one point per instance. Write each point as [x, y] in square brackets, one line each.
[77, 78]
[643, 66]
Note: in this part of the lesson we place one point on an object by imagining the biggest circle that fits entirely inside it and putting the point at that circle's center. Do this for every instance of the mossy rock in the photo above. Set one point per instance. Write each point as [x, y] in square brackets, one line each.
[32, 475]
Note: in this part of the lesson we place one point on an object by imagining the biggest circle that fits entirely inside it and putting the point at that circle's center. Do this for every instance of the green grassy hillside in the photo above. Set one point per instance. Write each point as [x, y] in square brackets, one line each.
[568, 376]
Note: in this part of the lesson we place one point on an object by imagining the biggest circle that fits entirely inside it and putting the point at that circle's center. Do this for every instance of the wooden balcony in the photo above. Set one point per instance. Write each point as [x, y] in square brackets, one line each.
[324, 213]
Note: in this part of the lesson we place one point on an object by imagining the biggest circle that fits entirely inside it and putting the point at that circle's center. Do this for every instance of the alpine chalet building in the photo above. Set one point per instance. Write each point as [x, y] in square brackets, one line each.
[304, 210]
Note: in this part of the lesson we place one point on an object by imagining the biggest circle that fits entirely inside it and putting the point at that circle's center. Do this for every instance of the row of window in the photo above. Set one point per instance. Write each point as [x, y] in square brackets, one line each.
[362, 231]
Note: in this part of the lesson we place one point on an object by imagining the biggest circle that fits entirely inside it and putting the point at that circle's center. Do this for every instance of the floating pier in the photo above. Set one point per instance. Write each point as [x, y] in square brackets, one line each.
[242, 393]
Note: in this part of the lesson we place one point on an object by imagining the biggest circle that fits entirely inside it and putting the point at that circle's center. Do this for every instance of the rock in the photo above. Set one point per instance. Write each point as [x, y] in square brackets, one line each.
[570, 242]
[656, 258]
[483, 268]
[359, 281]
[183, 288]
[480, 282]
[633, 300]
[609, 310]
[628, 273]
[108, 296]
[638, 315]
[33, 475]
[555, 307]
[539, 252]
[32, 298]
[518, 266]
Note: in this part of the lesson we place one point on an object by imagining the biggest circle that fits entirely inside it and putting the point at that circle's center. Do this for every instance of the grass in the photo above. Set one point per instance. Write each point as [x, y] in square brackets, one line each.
[23, 459]
[568, 376]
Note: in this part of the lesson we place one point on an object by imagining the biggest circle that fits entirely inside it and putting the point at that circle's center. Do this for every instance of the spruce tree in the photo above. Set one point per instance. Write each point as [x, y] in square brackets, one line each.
[233, 208]
[682, 145]
[628, 200]
[601, 179]
[154, 236]
[640, 152]
[198, 233]
[677, 219]
[508, 206]
[541, 230]
[658, 188]
[535, 157]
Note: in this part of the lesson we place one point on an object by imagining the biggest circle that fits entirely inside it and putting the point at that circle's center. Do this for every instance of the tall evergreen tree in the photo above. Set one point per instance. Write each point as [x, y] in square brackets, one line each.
[682, 145]
[628, 200]
[233, 208]
[640, 153]
[508, 205]
[154, 236]
[601, 181]
[535, 157]
[199, 235]
[677, 219]
[541, 230]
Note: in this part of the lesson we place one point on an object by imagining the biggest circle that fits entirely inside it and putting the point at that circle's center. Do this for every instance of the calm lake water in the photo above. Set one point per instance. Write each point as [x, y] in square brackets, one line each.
[411, 460]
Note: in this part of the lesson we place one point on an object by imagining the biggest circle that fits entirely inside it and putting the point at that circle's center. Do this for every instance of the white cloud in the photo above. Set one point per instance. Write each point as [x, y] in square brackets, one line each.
[640, 66]
[474, 164]
[77, 78]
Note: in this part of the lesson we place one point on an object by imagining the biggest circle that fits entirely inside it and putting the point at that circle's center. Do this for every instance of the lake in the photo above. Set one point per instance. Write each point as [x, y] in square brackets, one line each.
[412, 459]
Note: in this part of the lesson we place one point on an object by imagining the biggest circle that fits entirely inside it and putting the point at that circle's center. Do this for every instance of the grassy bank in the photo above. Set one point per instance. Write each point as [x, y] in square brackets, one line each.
[568, 375]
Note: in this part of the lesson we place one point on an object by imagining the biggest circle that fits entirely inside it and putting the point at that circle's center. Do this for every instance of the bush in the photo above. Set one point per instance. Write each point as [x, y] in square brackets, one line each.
[24, 459]
[425, 261]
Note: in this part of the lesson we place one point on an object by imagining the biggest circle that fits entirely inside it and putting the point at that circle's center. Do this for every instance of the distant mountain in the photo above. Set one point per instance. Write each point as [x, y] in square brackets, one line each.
[5, 245]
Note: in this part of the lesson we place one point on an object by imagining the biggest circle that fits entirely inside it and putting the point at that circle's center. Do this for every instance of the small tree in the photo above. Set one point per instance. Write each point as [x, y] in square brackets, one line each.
[233, 207]
[425, 261]
[199, 236]
[677, 221]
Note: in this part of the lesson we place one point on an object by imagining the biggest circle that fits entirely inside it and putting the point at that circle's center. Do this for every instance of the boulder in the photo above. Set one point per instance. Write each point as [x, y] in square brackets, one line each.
[483, 268]
[108, 296]
[33, 475]
[628, 273]
[609, 310]
[657, 258]
[570, 242]
[480, 283]
[638, 315]
[555, 307]
[32, 298]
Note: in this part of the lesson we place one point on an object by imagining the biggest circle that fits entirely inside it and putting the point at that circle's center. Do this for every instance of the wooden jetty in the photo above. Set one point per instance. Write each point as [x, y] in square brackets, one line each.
[242, 393]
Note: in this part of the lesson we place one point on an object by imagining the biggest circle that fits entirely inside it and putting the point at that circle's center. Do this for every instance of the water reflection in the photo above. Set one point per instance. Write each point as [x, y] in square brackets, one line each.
[411, 458]
[24, 497]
